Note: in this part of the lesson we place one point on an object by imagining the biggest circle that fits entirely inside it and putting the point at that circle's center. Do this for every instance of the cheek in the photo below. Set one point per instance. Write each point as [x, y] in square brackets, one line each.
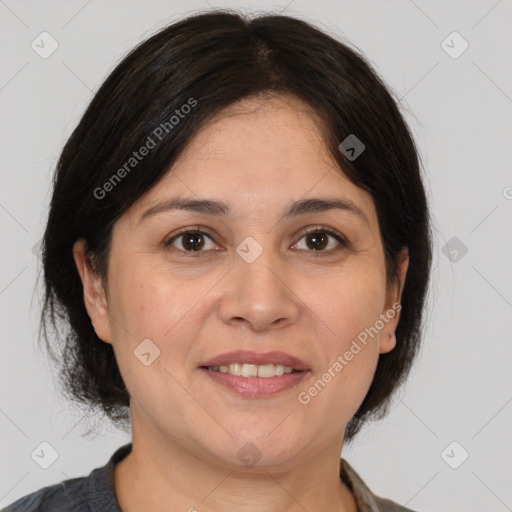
[151, 304]
[339, 386]
[347, 309]
[153, 300]
[348, 303]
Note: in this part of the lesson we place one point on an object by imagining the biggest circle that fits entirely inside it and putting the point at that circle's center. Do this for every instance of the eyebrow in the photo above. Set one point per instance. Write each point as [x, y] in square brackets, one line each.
[220, 209]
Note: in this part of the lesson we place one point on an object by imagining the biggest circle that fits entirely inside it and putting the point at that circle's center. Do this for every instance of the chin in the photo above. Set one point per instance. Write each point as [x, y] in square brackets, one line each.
[261, 449]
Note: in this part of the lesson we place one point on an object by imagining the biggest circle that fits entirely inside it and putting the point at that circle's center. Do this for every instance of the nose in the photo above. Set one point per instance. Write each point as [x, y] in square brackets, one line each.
[259, 294]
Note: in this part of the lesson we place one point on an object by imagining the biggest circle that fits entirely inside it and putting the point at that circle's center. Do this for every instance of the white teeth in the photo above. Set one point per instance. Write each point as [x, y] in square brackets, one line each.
[266, 370]
[235, 369]
[249, 370]
[253, 370]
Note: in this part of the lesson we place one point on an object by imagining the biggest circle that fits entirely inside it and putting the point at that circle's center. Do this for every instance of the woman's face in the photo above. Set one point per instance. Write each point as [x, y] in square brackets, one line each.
[254, 283]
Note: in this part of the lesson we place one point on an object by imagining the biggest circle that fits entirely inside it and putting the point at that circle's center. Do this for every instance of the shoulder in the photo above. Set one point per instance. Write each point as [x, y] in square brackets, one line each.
[67, 496]
[366, 500]
[82, 494]
[386, 505]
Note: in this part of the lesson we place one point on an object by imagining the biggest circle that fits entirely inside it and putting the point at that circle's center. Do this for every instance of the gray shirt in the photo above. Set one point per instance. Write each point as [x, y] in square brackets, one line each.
[95, 492]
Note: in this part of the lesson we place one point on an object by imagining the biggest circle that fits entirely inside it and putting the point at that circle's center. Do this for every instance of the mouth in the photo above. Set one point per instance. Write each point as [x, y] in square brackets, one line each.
[255, 375]
[264, 371]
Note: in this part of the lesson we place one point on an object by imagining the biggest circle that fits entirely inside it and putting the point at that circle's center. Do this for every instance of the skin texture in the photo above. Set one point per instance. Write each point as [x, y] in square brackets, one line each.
[258, 156]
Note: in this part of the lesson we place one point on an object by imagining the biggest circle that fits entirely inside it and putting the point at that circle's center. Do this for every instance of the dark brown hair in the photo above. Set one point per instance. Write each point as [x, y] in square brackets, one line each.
[218, 58]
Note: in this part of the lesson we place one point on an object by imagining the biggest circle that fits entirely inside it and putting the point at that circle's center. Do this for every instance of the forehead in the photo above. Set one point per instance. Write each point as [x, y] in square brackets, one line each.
[278, 130]
[258, 153]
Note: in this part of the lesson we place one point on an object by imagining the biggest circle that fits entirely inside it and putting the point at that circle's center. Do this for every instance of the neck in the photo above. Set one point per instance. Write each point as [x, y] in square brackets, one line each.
[160, 471]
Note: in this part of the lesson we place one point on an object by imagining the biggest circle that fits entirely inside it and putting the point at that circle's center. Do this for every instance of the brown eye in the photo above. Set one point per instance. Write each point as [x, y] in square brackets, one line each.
[317, 239]
[192, 241]
[189, 240]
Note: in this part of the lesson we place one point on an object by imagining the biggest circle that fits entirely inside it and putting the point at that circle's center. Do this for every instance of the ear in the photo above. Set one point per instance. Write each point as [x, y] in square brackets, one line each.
[94, 295]
[391, 313]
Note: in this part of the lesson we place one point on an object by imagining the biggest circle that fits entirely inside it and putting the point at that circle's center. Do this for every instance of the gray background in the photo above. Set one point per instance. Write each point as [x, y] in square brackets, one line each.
[460, 112]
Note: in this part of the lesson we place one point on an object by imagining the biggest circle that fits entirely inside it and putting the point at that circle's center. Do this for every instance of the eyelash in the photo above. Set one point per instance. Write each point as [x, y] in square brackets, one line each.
[320, 229]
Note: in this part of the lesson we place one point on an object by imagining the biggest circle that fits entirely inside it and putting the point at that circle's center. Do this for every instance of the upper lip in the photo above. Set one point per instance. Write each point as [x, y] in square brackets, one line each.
[258, 358]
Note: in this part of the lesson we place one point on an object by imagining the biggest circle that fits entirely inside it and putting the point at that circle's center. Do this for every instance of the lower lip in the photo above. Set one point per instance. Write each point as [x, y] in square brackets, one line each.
[255, 387]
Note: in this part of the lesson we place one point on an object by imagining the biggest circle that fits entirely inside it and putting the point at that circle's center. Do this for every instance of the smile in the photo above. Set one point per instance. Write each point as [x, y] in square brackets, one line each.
[255, 374]
[253, 370]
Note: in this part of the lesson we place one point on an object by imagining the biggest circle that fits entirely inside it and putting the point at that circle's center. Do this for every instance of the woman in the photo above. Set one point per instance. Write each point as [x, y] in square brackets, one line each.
[239, 242]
